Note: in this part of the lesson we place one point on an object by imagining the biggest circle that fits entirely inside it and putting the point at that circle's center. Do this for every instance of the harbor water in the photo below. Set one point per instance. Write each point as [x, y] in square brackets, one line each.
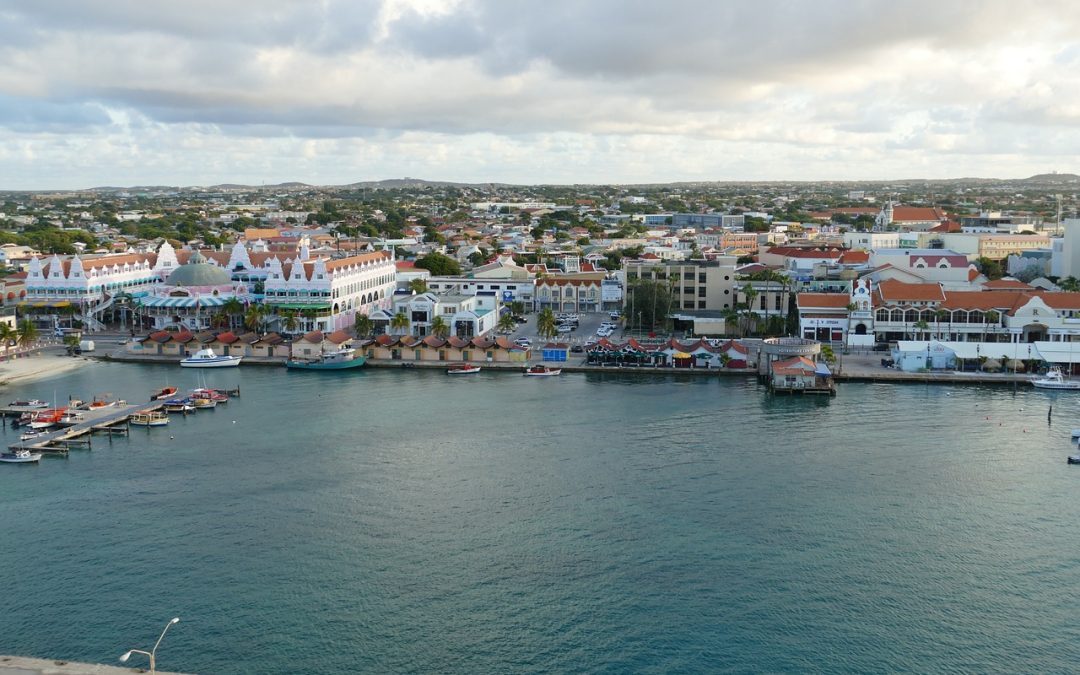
[405, 521]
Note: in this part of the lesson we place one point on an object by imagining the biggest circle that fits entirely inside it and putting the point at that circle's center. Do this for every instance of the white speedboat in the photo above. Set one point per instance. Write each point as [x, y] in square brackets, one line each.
[1054, 379]
[206, 358]
[32, 403]
[20, 457]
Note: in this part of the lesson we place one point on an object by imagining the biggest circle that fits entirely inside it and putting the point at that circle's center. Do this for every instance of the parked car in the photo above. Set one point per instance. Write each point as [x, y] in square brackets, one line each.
[614, 316]
[564, 328]
[577, 349]
[522, 341]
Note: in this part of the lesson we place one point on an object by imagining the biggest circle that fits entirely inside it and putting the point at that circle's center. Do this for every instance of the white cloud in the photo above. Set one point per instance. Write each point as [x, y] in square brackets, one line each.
[561, 91]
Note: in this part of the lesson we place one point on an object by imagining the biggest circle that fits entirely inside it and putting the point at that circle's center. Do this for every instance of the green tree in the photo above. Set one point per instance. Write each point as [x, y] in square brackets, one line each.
[439, 327]
[253, 318]
[400, 322]
[1070, 284]
[289, 320]
[8, 335]
[648, 303]
[827, 354]
[507, 323]
[921, 326]
[439, 265]
[363, 325]
[546, 324]
[991, 268]
[418, 285]
[233, 308]
[27, 333]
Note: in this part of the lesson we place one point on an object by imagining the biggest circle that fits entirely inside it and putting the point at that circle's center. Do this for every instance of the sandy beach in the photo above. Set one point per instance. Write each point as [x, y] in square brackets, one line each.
[46, 363]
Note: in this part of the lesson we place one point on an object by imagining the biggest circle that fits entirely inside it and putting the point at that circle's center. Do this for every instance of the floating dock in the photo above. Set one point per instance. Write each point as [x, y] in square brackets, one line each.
[111, 420]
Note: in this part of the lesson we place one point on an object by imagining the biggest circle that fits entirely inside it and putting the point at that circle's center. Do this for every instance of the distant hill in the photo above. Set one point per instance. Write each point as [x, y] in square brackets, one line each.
[1053, 178]
[413, 183]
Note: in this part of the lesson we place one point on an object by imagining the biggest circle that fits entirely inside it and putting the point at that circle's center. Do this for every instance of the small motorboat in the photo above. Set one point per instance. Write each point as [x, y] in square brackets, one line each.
[20, 457]
[31, 435]
[161, 394]
[540, 370]
[32, 403]
[155, 418]
[180, 405]
[1074, 459]
[462, 369]
[206, 358]
[203, 402]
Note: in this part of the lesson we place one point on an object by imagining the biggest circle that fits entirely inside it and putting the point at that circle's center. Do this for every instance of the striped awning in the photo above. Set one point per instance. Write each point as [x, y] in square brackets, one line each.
[183, 302]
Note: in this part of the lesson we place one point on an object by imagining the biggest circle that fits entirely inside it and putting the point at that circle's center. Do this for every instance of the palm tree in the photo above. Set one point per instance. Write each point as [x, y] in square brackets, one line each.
[545, 323]
[289, 320]
[439, 327]
[232, 308]
[253, 318]
[751, 294]
[363, 325]
[8, 335]
[400, 322]
[938, 316]
[507, 323]
[921, 326]
[219, 319]
[71, 341]
[27, 333]
[992, 319]
[418, 285]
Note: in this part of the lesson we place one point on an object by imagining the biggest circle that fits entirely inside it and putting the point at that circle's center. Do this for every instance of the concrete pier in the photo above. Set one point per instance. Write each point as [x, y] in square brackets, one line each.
[21, 665]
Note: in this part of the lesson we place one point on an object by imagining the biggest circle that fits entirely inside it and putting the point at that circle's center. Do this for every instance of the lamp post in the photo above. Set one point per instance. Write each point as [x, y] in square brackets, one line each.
[127, 655]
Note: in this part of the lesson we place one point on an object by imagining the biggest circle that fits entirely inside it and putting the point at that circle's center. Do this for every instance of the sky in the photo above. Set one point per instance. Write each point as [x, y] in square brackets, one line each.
[138, 92]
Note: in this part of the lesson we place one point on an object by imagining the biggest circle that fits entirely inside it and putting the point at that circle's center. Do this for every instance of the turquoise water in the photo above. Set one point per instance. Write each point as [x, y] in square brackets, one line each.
[405, 521]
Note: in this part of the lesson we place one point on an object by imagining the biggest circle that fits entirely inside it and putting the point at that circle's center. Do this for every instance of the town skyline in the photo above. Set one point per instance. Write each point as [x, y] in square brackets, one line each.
[119, 93]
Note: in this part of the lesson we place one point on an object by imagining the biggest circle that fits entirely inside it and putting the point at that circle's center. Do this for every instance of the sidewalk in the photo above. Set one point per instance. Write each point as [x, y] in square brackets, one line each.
[20, 665]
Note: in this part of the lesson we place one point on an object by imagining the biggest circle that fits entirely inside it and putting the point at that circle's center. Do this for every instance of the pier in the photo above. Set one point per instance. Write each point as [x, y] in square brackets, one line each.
[111, 420]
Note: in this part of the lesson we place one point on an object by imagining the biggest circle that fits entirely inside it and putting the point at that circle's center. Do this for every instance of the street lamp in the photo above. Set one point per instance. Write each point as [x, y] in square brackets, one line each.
[127, 655]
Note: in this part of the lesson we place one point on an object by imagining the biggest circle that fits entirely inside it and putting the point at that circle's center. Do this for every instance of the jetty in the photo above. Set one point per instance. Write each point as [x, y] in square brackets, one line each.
[111, 420]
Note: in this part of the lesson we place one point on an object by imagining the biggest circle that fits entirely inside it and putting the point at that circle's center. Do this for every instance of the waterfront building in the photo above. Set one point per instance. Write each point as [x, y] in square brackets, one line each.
[465, 315]
[316, 343]
[189, 297]
[327, 294]
[698, 285]
[570, 292]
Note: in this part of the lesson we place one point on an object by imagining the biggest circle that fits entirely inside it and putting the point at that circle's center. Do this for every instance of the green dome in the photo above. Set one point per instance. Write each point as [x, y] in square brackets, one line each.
[198, 272]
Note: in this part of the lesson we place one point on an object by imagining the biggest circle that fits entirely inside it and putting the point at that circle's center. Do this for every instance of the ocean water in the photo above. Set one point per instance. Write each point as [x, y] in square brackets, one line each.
[408, 522]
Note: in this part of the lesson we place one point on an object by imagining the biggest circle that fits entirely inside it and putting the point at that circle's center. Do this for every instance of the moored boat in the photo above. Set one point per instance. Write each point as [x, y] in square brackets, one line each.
[32, 434]
[32, 403]
[1054, 379]
[180, 405]
[203, 402]
[150, 418]
[206, 358]
[462, 369]
[212, 394]
[20, 457]
[540, 370]
[47, 418]
[339, 360]
[164, 393]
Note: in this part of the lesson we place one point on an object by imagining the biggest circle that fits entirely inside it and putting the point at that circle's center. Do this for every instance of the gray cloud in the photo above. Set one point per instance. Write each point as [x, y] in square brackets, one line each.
[806, 81]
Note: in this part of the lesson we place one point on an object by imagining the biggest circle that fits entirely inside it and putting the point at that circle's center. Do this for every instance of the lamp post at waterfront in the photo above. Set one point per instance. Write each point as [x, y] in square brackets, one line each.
[127, 655]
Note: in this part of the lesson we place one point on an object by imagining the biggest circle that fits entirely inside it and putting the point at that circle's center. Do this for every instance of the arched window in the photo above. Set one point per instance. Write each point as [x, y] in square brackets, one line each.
[911, 316]
[882, 315]
[897, 315]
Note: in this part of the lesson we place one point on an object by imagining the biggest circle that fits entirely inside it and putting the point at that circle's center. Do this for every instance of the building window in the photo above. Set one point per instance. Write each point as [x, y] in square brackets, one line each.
[701, 277]
[701, 292]
[701, 304]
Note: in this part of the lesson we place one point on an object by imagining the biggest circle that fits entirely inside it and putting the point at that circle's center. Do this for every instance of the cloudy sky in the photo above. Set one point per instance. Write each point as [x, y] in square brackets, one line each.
[124, 92]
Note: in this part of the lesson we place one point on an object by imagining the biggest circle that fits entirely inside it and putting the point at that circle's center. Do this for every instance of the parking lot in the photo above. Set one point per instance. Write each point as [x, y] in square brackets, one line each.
[589, 323]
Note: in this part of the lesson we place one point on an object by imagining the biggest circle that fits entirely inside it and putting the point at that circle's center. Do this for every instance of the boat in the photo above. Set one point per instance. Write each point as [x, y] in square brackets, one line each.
[1074, 459]
[31, 435]
[339, 360]
[206, 358]
[32, 403]
[203, 402]
[540, 370]
[155, 418]
[47, 418]
[213, 394]
[167, 392]
[1054, 379]
[20, 457]
[101, 404]
[462, 369]
[180, 405]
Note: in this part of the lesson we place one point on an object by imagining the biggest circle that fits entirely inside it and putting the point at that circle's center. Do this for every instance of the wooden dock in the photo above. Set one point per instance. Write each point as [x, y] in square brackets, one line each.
[112, 420]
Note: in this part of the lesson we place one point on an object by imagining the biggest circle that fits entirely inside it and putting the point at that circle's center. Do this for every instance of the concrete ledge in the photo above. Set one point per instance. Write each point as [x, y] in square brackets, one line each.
[21, 665]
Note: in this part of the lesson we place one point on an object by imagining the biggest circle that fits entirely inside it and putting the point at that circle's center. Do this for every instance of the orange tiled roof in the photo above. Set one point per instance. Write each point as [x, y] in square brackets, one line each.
[892, 290]
[830, 300]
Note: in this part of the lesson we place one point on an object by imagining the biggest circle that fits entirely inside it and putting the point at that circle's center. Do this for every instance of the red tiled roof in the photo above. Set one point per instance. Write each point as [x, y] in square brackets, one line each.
[227, 338]
[315, 337]
[891, 290]
[831, 300]
[917, 214]
[1002, 284]
[854, 258]
[338, 337]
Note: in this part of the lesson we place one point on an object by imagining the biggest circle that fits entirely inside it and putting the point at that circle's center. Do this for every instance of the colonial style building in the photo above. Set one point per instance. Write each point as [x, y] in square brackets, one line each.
[893, 310]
